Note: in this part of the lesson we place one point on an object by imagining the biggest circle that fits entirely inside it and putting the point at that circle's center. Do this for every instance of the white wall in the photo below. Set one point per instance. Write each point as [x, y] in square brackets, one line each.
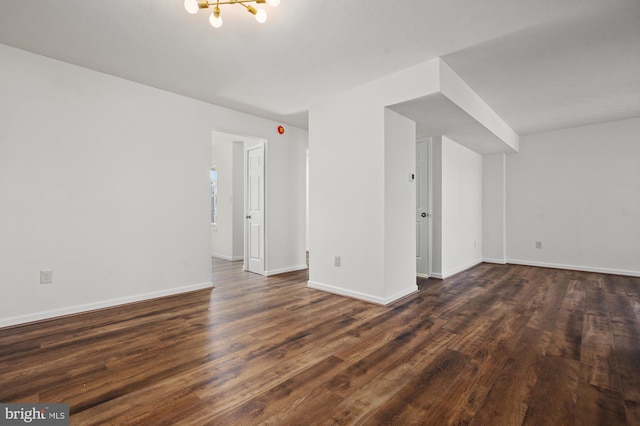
[399, 206]
[285, 196]
[461, 207]
[436, 199]
[105, 181]
[346, 196]
[346, 185]
[227, 236]
[494, 208]
[577, 191]
[237, 252]
[222, 231]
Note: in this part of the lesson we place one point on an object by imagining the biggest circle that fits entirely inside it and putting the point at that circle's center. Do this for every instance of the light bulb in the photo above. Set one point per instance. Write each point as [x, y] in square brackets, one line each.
[215, 21]
[261, 16]
[191, 6]
[273, 3]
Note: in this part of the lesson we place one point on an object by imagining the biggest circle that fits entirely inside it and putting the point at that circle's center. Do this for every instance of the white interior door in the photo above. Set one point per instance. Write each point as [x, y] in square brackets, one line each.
[254, 254]
[423, 216]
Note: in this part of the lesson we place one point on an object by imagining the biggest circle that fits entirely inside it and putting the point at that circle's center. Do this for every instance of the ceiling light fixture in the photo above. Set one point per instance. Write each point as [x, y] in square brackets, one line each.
[193, 6]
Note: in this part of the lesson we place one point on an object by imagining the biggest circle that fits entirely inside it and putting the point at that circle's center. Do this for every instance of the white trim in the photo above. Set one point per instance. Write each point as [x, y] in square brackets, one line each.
[419, 275]
[461, 269]
[38, 316]
[436, 275]
[225, 257]
[498, 261]
[575, 267]
[404, 293]
[361, 296]
[285, 270]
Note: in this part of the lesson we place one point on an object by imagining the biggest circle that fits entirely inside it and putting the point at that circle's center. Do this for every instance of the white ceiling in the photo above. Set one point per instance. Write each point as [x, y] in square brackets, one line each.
[540, 64]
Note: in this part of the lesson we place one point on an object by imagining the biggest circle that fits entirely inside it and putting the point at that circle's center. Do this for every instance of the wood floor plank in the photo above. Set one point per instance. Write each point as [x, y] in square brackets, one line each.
[626, 335]
[395, 351]
[408, 405]
[550, 303]
[596, 302]
[632, 412]
[359, 404]
[596, 406]
[488, 363]
[509, 397]
[598, 353]
[259, 377]
[566, 336]
[553, 400]
[496, 344]
[281, 396]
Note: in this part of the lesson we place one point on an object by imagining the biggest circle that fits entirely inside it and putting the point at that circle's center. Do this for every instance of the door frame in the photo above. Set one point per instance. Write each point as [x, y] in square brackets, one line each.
[248, 146]
[428, 140]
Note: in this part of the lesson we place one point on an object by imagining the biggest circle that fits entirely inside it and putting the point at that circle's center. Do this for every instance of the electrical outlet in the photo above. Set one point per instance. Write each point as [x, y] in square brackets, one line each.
[538, 244]
[46, 276]
[336, 260]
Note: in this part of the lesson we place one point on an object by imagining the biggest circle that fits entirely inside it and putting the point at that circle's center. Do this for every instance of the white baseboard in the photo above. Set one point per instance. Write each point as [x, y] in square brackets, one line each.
[401, 294]
[447, 274]
[70, 310]
[498, 261]
[419, 275]
[361, 296]
[574, 267]
[459, 269]
[225, 257]
[285, 270]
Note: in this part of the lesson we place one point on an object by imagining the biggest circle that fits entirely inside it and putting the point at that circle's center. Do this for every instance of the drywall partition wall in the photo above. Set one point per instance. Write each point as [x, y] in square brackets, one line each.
[399, 206]
[285, 196]
[347, 172]
[347, 177]
[577, 192]
[436, 204]
[222, 231]
[461, 208]
[494, 220]
[105, 182]
[346, 197]
[238, 201]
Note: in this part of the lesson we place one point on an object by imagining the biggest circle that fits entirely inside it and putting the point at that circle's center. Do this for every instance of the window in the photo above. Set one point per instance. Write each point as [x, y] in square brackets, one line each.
[214, 196]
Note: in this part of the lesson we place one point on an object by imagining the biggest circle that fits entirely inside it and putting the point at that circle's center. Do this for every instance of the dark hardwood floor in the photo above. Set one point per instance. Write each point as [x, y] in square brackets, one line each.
[495, 345]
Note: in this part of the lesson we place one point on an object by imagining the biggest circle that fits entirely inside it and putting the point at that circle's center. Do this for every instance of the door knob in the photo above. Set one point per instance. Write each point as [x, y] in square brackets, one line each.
[423, 214]
[248, 217]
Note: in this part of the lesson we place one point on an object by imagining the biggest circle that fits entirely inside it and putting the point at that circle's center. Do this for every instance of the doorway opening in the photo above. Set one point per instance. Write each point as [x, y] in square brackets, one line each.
[238, 231]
